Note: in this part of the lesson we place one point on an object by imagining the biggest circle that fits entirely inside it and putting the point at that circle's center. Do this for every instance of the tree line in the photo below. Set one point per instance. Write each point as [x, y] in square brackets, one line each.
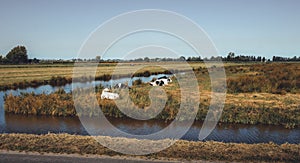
[285, 59]
[18, 55]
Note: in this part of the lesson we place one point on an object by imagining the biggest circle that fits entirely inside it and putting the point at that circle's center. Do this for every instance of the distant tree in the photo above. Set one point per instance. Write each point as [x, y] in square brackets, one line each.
[98, 58]
[199, 58]
[138, 60]
[230, 56]
[194, 59]
[263, 59]
[182, 58]
[147, 59]
[33, 61]
[17, 55]
[1, 59]
[258, 59]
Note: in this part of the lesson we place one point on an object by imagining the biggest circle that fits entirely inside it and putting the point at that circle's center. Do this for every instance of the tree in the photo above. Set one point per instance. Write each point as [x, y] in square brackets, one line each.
[17, 55]
[1, 59]
[230, 56]
[258, 59]
[181, 58]
[147, 59]
[98, 58]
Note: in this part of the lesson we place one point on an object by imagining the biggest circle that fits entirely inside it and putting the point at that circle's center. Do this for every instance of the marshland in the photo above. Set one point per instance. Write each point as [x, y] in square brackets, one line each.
[262, 103]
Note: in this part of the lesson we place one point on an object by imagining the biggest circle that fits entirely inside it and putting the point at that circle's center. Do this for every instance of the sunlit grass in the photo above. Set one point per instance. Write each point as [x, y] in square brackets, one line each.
[181, 150]
[10, 74]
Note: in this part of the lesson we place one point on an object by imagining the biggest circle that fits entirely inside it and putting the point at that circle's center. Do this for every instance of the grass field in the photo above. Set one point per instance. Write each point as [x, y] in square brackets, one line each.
[181, 150]
[241, 77]
[10, 74]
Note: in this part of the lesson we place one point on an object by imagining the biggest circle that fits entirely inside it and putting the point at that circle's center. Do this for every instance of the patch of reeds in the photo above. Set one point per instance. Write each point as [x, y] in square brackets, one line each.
[277, 78]
[55, 104]
[247, 109]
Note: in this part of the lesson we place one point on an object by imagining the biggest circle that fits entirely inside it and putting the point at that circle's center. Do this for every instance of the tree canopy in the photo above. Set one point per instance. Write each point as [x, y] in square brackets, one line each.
[17, 55]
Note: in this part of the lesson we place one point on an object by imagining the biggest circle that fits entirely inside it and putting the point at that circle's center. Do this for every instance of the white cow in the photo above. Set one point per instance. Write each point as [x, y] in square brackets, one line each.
[108, 95]
[161, 82]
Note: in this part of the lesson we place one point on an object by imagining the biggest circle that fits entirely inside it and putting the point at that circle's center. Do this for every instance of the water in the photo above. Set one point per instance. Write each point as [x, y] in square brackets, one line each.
[226, 132]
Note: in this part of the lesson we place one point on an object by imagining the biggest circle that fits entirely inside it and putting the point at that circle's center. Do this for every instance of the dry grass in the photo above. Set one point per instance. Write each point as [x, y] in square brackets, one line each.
[181, 150]
[258, 100]
[18, 73]
[245, 108]
[10, 74]
[278, 78]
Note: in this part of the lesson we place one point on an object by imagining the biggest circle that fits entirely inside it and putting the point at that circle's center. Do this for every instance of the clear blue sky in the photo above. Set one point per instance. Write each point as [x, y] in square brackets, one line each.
[57, 28]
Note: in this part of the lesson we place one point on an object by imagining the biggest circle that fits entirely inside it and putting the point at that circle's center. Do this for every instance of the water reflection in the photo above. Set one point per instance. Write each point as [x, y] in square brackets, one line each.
[225, 133]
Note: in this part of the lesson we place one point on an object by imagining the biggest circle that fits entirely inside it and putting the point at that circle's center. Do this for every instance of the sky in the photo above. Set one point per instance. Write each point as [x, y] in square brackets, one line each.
[56, 29]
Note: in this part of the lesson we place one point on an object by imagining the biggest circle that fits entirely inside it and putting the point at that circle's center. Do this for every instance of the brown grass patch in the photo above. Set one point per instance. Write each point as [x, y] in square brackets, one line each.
[181, 150]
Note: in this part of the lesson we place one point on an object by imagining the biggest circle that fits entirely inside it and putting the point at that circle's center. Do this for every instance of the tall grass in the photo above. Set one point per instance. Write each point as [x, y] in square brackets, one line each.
[248, 109]
[278, 78]
[55, 104]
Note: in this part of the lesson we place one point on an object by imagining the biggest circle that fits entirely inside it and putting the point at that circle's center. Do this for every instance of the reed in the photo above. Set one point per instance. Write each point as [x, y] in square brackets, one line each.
[277, 78]
[239, 108]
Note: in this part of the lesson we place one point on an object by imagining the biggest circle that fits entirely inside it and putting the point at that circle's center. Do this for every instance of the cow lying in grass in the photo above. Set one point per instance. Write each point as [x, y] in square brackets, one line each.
[162, 81]
[108, 95]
